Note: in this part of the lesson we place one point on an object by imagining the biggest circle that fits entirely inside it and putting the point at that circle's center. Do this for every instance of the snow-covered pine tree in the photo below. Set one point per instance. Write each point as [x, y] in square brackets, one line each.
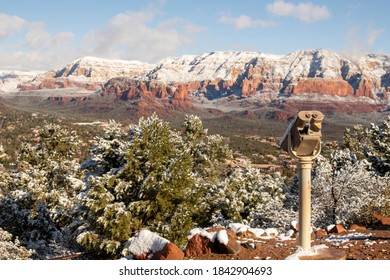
[371, 143]
[108, 151]
[10, 248]
[158, 185]
[345, 189]
[250, 197]
[41, 194]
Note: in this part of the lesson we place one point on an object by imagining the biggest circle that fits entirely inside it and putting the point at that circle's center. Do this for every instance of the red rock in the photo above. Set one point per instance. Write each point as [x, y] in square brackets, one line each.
[365, 88]
[246, 234]
[323, 86]
[337, 229]
[356, 227]
[231, 247]
[384, 221]
[320, 233]
[169, 252]
[199, 245]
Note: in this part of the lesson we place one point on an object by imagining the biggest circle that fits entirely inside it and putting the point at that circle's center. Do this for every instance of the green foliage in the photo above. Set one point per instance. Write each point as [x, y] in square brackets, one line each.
[345, 190]
[158, 186]
[249, 197]
[10, 248]
[371, 143]
[38, 198]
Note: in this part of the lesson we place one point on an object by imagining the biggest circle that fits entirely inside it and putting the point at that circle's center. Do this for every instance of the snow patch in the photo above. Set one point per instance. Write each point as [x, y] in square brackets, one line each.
[222, 237]
[144, 242]
[271, 231]
[238, 227]
[203, 233]
[311, 252]
[257, 231]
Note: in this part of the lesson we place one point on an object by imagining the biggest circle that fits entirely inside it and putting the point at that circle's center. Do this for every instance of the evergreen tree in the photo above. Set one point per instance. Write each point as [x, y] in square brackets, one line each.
[10, 248]
[371, 143]
[158, 185]
[345, 190]
[108, 151]
[249, 197]
[40, 195]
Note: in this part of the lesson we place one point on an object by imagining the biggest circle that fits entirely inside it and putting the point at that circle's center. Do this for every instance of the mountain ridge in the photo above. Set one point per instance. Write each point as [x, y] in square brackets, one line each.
[183, 83]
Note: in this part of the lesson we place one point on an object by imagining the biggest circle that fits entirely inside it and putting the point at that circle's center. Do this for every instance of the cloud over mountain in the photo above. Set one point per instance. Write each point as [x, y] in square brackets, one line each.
[304, 11]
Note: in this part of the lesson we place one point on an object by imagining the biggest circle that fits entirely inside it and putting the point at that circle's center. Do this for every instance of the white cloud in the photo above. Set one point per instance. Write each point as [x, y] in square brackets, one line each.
[304, 11]
[31, 46]
[373, 35]
[128, 35]
[9, 25]
[134, 35]
[360, 40]
[244, 21]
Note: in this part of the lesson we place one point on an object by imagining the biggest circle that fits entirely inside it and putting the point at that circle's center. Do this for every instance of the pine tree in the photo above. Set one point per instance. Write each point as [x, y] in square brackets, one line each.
[10, 248]
[371, 143]
[157, 186]
[39, 198]
[345, 189]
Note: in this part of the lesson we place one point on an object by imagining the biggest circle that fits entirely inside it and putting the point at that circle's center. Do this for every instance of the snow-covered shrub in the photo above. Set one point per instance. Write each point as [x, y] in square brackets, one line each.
[108, 151]
[40, 196]
[371, 143]
[344, 189]
[249, 197]
[157, 184]
[10, 248]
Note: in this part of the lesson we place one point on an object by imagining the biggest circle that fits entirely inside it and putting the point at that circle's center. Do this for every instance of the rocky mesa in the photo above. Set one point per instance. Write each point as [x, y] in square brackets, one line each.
[178, 81]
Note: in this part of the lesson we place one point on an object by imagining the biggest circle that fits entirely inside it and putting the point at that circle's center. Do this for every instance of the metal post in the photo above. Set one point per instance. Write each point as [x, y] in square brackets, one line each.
[304, 238]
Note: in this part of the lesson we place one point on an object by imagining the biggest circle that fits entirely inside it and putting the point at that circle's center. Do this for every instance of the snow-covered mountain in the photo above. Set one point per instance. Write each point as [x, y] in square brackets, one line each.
[9, 79]
[101, 70]
[276, 71]
[176, 81]
[299, 72]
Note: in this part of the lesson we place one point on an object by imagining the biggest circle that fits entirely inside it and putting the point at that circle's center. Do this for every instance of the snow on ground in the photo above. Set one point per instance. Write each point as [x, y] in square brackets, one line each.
[311, 252]
[259, 232]
[337, 240]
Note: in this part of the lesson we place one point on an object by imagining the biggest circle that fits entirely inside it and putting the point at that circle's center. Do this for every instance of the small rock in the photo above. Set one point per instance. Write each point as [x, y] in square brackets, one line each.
[384, 221]
[169, 252]
[294, 226]
[337, 229]
[356, 227]
[249, 245]
[246, 234]
[320, 233]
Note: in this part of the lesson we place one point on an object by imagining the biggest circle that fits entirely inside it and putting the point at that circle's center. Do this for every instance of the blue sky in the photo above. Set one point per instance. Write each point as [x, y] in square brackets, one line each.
[45, 34]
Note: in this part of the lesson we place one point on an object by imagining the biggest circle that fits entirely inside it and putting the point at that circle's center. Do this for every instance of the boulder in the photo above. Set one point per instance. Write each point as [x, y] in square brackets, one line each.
[384, 221]
[356, 227]
[146, 245]
[320, 233]
[199, 245]
[216, 240]
[226, 243]
[169, 252]
[337, 229]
